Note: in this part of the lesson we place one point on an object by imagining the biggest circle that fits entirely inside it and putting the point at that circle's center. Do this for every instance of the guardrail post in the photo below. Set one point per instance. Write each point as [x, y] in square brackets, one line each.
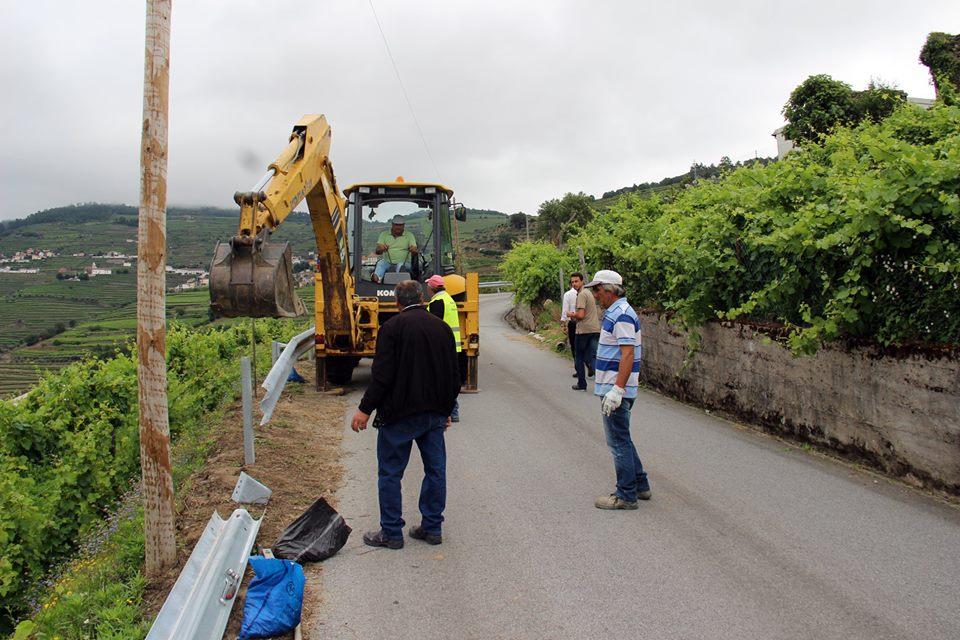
[246, 383]
[253, 354]
[275, 349]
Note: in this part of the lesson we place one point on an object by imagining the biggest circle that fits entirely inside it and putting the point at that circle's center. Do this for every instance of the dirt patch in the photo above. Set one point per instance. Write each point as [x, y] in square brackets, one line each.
[298, 458]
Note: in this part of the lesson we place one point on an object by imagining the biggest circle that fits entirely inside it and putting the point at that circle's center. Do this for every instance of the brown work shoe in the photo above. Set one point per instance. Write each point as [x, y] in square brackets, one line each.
[418, 533]
[613, 501]
[379, 539]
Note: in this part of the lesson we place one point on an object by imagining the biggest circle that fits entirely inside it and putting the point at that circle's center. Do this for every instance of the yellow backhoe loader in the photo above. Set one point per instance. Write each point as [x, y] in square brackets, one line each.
[355, 277]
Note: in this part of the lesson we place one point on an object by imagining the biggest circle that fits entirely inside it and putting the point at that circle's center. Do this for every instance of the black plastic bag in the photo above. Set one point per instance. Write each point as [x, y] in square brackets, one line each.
[316, 535]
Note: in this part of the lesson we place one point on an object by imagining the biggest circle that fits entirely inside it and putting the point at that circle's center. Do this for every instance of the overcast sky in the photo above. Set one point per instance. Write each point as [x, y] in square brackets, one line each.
[520, 101]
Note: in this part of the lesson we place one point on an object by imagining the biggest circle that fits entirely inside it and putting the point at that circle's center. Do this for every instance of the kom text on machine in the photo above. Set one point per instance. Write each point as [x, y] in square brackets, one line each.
[253, 277]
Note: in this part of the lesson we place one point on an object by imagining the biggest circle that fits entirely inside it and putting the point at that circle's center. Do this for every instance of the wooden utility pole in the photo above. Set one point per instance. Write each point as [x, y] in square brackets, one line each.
[161, 547]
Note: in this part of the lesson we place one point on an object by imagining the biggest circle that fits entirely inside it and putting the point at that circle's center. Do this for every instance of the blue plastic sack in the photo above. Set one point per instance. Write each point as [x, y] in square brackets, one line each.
[274, 598]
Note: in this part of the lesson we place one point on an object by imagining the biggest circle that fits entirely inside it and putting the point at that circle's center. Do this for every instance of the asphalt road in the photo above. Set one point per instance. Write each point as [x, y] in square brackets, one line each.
[745, 537]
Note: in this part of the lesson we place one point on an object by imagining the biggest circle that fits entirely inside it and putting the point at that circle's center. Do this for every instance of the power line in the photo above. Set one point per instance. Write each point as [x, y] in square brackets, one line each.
[403, 89]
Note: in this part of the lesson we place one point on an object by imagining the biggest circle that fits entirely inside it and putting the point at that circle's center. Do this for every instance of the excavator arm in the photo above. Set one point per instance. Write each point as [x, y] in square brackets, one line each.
[252, 277]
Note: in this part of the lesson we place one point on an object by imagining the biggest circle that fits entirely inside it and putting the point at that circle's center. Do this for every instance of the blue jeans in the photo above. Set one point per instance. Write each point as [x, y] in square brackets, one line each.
[585, 355]
[631, 478]
[384, 265]
[394, 442]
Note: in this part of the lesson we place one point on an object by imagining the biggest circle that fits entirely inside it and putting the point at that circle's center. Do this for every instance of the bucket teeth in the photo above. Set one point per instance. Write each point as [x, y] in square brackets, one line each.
[253, 279]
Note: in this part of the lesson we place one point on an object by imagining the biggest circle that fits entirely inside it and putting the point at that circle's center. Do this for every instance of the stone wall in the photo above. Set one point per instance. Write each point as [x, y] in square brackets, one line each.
[522, 316]
[901, 414]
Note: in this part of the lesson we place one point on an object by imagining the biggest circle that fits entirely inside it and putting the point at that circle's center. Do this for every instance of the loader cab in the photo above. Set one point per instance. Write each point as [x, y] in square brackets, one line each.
[415, 221]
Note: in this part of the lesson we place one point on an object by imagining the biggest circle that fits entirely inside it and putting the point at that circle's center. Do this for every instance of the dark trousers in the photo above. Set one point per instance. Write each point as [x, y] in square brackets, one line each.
[394, 442]
[585, 356]
[631, 478]
[572, 337]
[462, 365]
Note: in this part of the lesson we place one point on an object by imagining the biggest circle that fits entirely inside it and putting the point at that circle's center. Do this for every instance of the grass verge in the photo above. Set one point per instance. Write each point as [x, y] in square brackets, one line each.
[101, 593]
[104, 581]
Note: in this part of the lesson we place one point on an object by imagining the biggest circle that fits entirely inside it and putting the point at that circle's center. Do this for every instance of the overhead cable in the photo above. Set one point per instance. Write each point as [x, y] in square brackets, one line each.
[403, 89]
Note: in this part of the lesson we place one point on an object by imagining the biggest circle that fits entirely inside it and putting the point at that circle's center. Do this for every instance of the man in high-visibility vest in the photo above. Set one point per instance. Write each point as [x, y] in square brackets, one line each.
[442, 305]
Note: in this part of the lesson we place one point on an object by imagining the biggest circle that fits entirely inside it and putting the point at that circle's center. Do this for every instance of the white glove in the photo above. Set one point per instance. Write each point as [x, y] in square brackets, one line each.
[612, 400]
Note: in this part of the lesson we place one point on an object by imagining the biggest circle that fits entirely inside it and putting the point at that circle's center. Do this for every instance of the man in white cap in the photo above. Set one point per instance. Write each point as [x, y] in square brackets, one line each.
[617, 380]
[398, 244]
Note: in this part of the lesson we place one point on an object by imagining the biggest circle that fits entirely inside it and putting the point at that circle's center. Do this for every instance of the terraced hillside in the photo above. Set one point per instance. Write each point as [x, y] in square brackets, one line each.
[101, 334]
[97, 229]
[46, 321]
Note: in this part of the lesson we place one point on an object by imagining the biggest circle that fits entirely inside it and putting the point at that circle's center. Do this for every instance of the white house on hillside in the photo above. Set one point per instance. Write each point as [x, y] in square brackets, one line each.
[94, 270]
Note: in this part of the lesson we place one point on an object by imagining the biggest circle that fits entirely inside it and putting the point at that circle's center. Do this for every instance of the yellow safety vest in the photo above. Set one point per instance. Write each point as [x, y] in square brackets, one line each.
[450, 315]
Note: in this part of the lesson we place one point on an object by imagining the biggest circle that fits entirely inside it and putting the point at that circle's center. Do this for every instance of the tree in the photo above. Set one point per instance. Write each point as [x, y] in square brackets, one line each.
[816, 106]
[558, 217]
[941, 54]
[878, 101]
[518, 220]
[820, 104]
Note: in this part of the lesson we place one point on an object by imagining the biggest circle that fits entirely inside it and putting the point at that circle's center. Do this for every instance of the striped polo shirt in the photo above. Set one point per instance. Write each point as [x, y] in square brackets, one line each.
[620, 326]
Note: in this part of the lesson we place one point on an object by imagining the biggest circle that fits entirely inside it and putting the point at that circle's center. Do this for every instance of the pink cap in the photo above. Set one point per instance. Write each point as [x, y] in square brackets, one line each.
[435, 281]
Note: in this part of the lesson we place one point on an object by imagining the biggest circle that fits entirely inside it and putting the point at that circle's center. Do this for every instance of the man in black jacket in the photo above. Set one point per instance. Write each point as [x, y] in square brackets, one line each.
[414, 385]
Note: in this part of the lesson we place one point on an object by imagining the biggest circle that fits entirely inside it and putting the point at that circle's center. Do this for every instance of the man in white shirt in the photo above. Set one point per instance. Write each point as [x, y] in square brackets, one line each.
[569, 305]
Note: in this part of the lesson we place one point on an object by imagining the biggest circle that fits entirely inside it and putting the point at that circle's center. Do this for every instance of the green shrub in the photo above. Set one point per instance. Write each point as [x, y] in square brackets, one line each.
[858, 236]
[97, 596]
[533, 267]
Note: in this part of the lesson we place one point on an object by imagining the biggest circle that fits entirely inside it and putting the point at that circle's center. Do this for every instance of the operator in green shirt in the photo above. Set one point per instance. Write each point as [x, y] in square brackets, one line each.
[398, 245]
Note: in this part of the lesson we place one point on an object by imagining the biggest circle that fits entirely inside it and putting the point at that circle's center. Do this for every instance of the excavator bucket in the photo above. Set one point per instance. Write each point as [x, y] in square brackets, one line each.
[253, 278]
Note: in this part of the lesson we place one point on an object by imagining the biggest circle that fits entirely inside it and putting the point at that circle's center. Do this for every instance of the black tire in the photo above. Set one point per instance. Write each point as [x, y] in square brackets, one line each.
[340, 369]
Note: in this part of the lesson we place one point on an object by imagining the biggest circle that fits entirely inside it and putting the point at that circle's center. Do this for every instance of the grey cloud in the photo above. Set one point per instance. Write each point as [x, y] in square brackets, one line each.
[520, 101]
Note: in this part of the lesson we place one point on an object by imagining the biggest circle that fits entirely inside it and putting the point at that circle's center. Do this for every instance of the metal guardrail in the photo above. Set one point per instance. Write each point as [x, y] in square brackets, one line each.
[199, 603]
[276, 380]
[499, 284]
